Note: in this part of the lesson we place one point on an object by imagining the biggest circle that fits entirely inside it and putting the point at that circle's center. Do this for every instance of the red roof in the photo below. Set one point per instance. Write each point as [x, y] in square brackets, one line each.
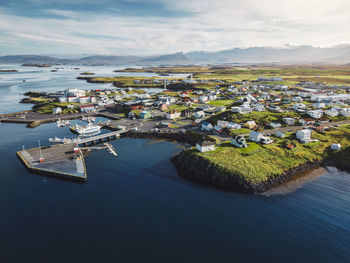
[86, 106]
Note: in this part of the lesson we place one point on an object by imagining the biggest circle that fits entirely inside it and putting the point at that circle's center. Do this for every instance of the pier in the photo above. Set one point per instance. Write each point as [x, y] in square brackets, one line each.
[100, 138]
[63, 161]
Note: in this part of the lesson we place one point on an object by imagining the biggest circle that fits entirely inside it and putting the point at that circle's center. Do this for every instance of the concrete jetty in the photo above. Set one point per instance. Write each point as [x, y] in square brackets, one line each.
[64, 161]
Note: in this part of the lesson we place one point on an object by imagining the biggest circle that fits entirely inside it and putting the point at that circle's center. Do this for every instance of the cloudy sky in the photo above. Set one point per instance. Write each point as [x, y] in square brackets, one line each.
[145, 27]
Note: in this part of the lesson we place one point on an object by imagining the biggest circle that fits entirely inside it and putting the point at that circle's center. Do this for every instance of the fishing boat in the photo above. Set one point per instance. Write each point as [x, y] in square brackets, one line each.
[88, 130]
[64, 140]
[62, 123]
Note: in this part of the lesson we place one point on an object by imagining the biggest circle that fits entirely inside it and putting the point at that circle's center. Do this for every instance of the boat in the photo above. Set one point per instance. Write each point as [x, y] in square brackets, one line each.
[88, 119]
[88, 130]
[62, 123]
[64, 140]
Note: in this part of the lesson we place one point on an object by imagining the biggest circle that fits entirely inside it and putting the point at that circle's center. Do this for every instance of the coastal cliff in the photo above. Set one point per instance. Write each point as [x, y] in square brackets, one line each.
[192, 166]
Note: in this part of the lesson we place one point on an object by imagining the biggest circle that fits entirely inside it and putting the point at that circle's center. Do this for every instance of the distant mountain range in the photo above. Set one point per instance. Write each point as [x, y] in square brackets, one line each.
[287, 55]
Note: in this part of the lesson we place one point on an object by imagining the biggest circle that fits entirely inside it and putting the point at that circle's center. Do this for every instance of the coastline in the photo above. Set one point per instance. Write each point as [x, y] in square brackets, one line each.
[197, 169]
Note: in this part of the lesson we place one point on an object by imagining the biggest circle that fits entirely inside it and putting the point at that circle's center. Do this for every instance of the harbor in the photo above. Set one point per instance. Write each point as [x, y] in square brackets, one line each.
[66, 160]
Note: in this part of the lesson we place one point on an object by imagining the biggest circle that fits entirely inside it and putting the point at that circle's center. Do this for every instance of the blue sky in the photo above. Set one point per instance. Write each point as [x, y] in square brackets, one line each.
[140, 27]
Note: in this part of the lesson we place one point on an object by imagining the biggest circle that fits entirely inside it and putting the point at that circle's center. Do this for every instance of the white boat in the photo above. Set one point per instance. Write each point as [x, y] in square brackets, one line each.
[62, 123]
[64, 140]
[89, 129]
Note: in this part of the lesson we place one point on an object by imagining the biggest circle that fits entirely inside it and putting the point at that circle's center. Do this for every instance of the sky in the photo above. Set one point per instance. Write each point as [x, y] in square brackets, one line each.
[149, 27]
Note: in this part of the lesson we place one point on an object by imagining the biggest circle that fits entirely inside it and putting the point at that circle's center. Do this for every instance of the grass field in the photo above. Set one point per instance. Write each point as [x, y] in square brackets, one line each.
[257, 163]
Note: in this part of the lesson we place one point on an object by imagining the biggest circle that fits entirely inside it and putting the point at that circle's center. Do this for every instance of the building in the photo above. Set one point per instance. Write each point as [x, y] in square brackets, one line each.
[205, 146]
[74, 93]
[319, 105]
[335, 147]
[199, 115]
[57, 110]
[316, 114]
[275, 125]
[62, 99]
[332, 112]
[289, 121]
[255, 136]
[259, 107]
[280, 134]
[244, 109]
[217, 129]
[207, 126]
[250, 124]
[220, 109]
[145, 115]
[222, 124]
[87, 108]
[299, 106]
[304, 135]
[239, 141]
[345, 112]
[173, 114]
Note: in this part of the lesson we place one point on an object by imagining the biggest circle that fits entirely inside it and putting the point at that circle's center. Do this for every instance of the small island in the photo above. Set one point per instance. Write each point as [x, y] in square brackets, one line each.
[8, 70]
[36, 65]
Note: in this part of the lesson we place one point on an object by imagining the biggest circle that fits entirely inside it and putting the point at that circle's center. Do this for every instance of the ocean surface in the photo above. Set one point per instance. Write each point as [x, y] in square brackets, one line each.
[135, 208]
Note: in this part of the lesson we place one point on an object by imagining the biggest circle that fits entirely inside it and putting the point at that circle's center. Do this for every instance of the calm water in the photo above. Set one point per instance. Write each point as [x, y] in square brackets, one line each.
[135, 208]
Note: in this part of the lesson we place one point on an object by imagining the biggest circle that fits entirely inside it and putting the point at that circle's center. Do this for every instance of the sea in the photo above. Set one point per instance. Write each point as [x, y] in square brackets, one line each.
[135, 208]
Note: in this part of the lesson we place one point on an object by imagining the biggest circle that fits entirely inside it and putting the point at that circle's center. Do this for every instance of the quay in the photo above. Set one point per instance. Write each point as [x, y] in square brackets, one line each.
[63, 161]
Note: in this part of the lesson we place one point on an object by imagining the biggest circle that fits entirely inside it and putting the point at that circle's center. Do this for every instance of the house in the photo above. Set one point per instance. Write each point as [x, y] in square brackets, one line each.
[163, 107]
[280, 134]
[332, 112]
[299, 106]
[275, 125]
[145, 115]
[259, 107]
[186, 113]
[335, 147]
[233, 125]
[131, 115]
[220, 109]
[199, 115]
[62, 99]
[244, 109]
[87, 108]
[207, 126]
[266, 140]
[73, 99]
[304, 135]
[289, 121]
[217, 129]
[205, 146]
[274, 108]
[203, 99]
[173, 114]
[222, 124]
[316, 114]
[74, 93]
[239, 141]
[250, 124]
[345, 112]
[57, 110]
[297, 99]
[319, 105]
[255, 136]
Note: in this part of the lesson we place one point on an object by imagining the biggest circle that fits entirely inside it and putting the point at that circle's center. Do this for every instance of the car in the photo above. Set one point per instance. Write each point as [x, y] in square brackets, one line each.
[155, 130]
[134, 129]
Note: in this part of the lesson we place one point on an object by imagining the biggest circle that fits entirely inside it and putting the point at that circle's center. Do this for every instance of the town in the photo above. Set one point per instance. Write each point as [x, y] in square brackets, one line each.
[264, 117]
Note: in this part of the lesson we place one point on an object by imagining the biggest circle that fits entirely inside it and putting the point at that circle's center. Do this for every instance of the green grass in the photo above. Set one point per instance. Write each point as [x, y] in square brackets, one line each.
[258, 163]
[217, 103]
[235, 132]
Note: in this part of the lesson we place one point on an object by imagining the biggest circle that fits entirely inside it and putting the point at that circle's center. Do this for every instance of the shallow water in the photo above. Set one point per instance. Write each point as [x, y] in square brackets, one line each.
[135, 208]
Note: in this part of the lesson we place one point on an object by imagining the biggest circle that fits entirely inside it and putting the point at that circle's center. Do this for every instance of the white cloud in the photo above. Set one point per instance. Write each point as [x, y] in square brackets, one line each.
[214, 25]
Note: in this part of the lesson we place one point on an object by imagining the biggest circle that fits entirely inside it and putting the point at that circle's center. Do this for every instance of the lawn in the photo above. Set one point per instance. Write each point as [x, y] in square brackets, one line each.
[257, 163]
